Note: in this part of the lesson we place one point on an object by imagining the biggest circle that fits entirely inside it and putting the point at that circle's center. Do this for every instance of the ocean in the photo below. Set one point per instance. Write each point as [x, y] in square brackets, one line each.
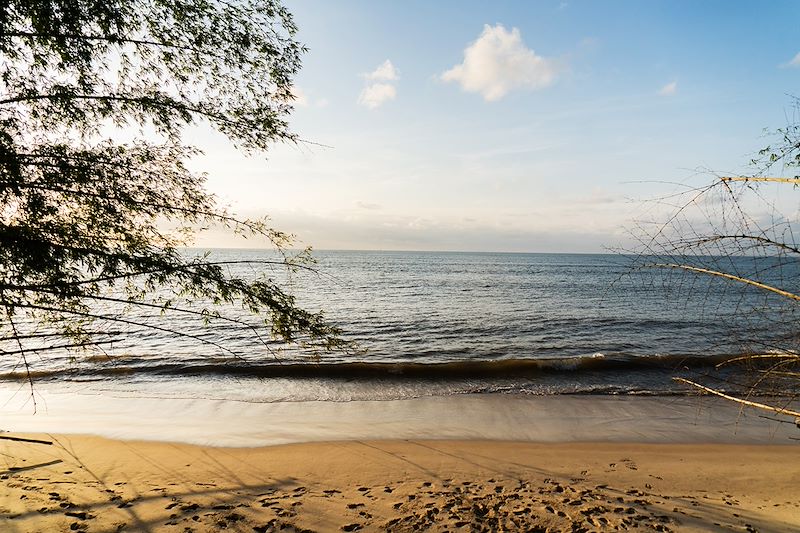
[441, 324]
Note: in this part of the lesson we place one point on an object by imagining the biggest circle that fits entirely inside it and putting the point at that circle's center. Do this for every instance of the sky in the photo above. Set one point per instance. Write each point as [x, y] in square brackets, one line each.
[509, 126]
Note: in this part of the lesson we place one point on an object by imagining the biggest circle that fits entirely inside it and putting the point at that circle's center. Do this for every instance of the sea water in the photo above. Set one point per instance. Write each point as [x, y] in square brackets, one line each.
[438, 324]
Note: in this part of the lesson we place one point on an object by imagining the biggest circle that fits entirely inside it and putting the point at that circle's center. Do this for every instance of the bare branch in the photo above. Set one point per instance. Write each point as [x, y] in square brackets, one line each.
[732, 277]
[757, 405]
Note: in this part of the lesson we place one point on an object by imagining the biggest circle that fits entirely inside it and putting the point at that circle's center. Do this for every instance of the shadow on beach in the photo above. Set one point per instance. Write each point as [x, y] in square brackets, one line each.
[94, 484]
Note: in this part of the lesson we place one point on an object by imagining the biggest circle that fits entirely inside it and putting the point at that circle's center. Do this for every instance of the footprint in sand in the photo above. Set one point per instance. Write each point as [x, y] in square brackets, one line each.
[222, 507]
[286, 513]
[267, 502]
[272, 525]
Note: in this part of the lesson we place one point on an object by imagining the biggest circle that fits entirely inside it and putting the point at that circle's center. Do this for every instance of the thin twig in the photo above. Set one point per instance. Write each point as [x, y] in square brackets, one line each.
[796, 181]
[21, 439]
[725, 275]
[779, 410]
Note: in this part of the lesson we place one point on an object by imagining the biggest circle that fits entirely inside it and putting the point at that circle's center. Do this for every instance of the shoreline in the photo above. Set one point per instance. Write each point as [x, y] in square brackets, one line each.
[95, 484]
[483, 462]
[491, 416]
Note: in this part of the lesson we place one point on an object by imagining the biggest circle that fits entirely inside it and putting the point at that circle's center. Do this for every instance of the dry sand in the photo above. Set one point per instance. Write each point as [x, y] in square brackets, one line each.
[95, 484]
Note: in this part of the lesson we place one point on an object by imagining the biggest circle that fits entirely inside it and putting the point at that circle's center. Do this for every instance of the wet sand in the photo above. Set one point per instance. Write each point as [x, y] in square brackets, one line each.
[565, 418]
[94, 484]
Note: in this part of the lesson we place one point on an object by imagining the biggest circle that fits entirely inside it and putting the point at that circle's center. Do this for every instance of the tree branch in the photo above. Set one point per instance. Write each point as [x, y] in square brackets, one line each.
[779, 410]
[725, 275]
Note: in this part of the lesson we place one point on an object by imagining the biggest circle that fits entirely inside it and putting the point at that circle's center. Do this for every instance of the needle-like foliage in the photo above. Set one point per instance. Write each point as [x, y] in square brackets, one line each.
[88, 220]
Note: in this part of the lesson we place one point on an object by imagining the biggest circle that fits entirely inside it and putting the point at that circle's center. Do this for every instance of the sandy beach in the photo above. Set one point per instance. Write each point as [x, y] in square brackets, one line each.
[482, 463]
[94, 484]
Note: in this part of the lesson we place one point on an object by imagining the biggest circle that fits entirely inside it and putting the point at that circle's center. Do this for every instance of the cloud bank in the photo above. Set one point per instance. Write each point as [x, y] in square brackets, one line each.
[498, 62]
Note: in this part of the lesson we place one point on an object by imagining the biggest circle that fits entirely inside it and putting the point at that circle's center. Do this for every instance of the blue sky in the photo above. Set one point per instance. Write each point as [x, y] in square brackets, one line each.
[510, 126]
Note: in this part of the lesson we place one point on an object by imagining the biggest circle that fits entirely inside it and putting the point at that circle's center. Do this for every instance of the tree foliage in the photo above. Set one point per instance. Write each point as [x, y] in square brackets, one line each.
[734, 245]
[85, 217]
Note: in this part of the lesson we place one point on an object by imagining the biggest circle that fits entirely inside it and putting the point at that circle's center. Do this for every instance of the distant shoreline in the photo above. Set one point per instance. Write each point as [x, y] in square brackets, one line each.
[400, 251]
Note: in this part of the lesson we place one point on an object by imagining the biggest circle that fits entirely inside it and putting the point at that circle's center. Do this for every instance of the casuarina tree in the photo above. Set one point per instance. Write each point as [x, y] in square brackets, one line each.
[96, 196]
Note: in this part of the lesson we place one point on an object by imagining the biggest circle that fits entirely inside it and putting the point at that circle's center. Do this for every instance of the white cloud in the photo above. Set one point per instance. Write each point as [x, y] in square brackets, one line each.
[498, 62]
[300, 97]
[376, 94]
[795, 61]
[669, 89]
[380, 86]
[385, 72]
[304, 99]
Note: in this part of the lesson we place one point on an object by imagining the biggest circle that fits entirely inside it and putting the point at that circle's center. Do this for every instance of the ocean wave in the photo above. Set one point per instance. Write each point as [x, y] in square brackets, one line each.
[463, 369]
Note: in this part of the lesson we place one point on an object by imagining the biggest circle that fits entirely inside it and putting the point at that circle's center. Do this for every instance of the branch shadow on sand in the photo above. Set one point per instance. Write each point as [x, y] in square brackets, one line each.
[103, 485]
